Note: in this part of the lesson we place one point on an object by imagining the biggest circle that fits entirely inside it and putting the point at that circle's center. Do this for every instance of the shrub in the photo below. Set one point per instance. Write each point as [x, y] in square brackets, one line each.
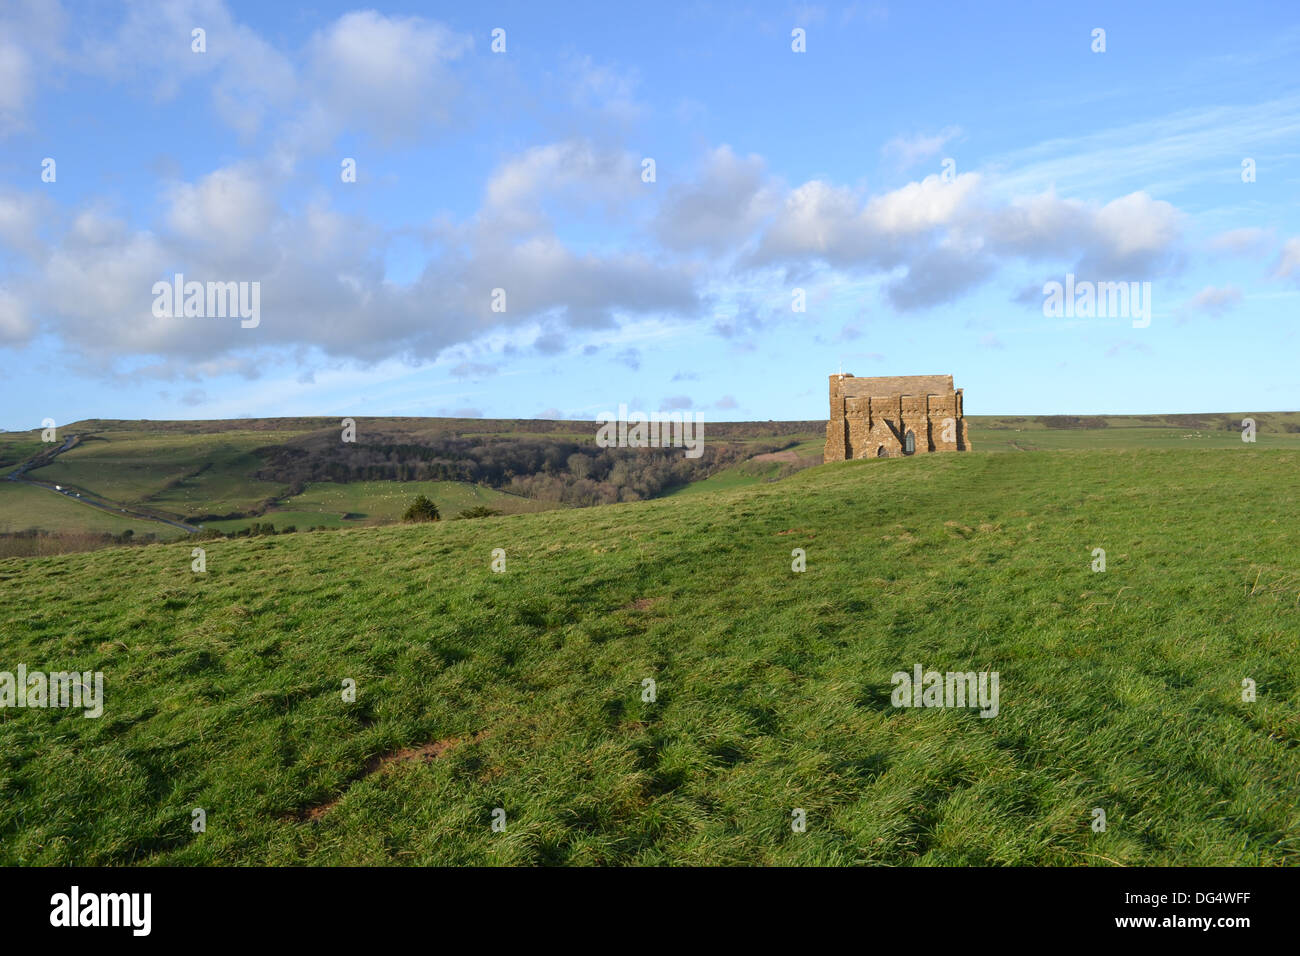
[479, 511]
[421, 509]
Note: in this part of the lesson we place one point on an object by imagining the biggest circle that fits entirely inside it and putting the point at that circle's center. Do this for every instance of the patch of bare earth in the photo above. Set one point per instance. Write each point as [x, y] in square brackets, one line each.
[381, 763]
[641, 604]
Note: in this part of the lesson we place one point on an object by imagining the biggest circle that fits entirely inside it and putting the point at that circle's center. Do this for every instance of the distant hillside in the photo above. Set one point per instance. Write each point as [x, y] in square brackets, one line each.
[152, 477]
[158, 478]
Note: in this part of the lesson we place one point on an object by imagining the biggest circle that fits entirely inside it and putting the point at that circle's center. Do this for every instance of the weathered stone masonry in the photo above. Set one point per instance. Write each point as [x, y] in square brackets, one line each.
[895, 415]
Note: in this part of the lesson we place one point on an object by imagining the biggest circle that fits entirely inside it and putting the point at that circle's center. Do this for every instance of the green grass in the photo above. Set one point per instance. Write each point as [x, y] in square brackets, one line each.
[375, 502]
[1002, 433]
[388, 499]
[743, 474]
[29, 508]
[176, 473]
[190, 469]
[1119, 690]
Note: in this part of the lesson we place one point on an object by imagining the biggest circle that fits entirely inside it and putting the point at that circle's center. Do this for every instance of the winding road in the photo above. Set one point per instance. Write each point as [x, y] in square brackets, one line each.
[85, 498]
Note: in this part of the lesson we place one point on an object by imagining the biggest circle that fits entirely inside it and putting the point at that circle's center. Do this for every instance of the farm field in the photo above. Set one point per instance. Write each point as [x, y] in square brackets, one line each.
[525, 692]
[174, 473]
[1131, 432]
[207, 472]
[330, 504]
[758, 469]
[26, 508]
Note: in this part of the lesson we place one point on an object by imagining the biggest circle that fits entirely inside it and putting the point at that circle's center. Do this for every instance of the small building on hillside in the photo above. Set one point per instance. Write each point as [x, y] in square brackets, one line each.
[894, 415]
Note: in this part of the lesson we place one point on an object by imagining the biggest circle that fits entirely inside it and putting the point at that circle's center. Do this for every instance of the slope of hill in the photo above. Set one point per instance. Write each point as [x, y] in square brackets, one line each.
[227, 475]
[523, 696]
[230, 474]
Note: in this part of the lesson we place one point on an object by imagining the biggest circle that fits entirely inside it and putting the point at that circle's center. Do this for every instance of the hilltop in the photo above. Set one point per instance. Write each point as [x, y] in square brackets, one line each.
[526, 691]
[167, 479]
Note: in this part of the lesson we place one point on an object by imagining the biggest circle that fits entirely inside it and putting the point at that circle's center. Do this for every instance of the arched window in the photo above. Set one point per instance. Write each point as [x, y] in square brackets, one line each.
[909, 444]
[880, 452]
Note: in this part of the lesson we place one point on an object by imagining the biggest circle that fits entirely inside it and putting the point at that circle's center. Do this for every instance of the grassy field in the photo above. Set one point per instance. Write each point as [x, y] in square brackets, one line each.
[175, 473]
[1000, 433]
[524, 690]
[757, 470]
[195, 470]
[25, 508]
[326, 503]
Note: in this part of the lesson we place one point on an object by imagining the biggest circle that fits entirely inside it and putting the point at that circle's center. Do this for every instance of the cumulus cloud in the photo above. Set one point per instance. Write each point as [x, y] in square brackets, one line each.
[719, 209]
[30, 39]
[15, 327]
[229, 208]
[387, 75]
[321, 272]
[20, 216]
[575, 172]
[151, 48]
[15, 82]
[949, 236]
[835, 225]
[1127, 237]
[939, 275]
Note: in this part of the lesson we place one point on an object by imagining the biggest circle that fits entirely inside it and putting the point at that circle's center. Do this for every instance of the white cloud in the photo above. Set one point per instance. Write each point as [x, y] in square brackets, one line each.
[15, 327]
[574, 171]
[15, 82]
[152, 45]
[388, 75]
[30, 42]
[721, 208]
[228, 207]
[907, 151]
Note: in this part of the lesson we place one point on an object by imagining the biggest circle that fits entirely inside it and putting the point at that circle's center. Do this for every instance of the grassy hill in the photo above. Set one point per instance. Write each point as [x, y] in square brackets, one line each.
[215, 473]
[226, 475]
[524, 690]
[339, 505]
[23, 507]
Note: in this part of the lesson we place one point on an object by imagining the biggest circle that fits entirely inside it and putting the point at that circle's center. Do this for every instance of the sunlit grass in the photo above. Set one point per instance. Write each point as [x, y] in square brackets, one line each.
[1119, 690]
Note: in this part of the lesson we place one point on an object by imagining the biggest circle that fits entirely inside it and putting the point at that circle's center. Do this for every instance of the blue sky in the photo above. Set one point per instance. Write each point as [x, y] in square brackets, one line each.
[775, 170]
